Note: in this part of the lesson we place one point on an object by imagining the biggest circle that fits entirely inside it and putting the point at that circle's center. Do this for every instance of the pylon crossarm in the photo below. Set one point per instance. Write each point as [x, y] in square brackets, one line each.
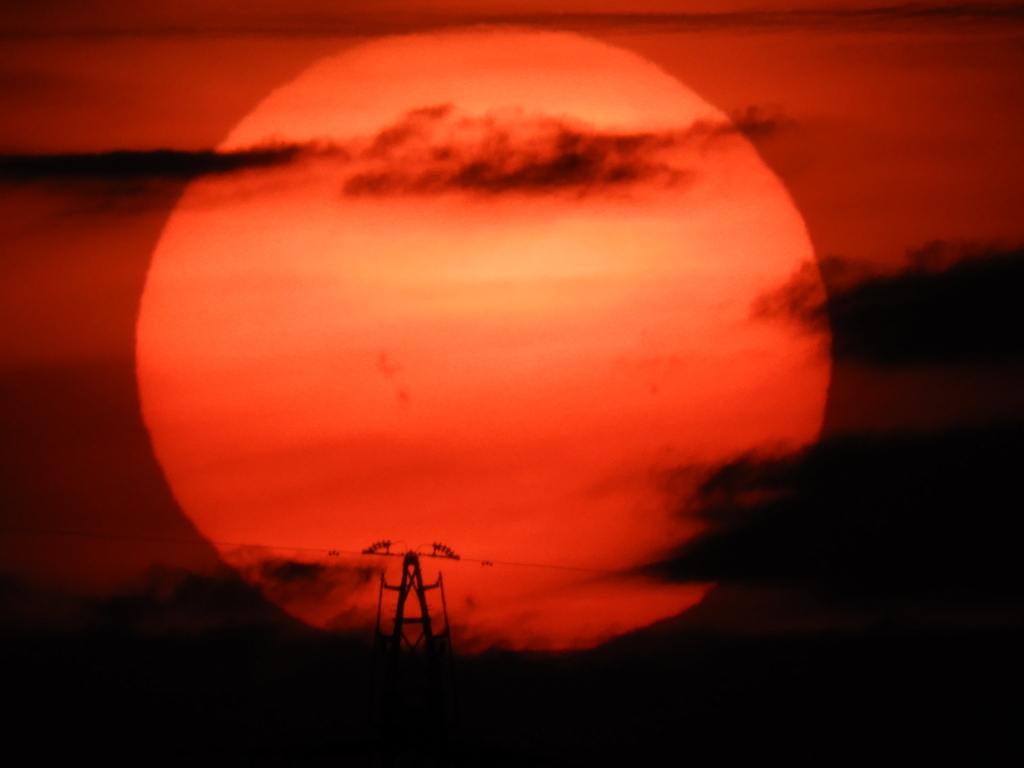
[443, 550]
[378, 548]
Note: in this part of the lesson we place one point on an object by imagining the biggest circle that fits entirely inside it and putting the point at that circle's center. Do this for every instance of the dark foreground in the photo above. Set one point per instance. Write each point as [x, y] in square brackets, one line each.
[267, 695]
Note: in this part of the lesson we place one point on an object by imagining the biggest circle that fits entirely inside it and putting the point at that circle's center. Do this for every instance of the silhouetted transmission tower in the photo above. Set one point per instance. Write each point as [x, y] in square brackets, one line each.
[412, 699]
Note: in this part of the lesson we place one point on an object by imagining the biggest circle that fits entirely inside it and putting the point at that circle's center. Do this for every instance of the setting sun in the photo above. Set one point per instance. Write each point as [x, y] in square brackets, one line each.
[499, 290]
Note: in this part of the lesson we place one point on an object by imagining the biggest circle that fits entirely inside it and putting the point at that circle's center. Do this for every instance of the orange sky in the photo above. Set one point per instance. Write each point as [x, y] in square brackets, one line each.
[888, 134]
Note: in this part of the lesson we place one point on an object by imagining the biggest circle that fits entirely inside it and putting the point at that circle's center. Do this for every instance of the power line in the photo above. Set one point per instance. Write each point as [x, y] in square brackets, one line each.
[541, 565]
[319, 550]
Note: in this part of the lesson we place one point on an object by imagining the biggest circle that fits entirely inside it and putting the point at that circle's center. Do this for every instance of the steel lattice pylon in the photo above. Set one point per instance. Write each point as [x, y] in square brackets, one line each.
[412, 700]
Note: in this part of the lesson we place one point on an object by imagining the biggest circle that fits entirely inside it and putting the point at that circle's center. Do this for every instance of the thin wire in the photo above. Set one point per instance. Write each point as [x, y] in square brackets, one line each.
[539, 565]
[320, 550]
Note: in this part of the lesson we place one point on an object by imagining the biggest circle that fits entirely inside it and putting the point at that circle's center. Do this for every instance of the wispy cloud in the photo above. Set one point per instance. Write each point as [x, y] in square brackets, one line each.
[757, 122]
[435, 150]
[428, 151]
[288, 581]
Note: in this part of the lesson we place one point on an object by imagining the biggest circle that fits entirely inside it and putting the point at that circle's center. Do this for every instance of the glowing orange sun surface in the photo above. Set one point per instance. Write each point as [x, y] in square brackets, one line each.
[491, 289]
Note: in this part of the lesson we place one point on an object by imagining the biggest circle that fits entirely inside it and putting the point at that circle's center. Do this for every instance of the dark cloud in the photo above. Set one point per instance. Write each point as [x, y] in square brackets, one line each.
[163, 600]
[166, 599]
[758, 610]
[298, 572]
[932, 515]
[125, 165]
[288, 581]
[970, 311]
[428, 151]
[801, 298]
[758, 122]
[436, 150]
[287, 571]
[952, 305]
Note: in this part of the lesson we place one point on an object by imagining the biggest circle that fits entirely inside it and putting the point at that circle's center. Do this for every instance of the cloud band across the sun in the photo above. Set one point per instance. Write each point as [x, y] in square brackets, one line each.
[144, 165]
[428, 151]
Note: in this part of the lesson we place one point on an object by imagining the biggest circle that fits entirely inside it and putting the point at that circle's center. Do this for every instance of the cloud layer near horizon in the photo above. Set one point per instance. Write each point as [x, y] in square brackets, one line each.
[885, 516]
